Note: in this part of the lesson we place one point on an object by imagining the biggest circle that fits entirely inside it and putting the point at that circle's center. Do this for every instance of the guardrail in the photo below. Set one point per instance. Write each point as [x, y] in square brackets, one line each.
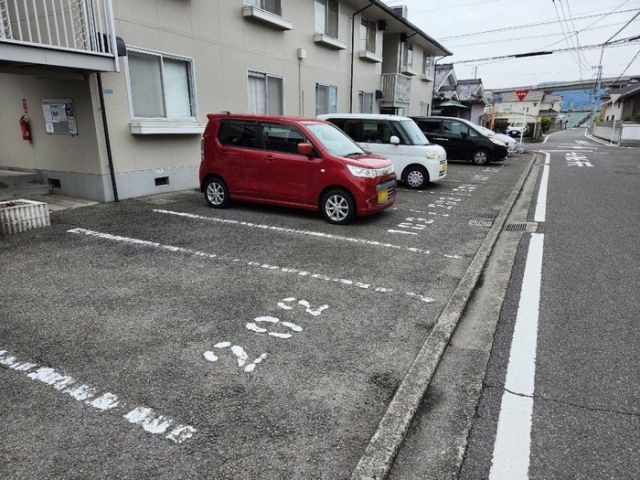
[85, 26]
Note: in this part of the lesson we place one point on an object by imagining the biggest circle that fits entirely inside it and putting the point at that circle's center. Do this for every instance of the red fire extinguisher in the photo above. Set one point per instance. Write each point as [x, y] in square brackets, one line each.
[26, 128]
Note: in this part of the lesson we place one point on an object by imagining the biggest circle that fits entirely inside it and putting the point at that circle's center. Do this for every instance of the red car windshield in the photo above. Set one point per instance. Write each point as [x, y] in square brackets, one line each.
[334, 140]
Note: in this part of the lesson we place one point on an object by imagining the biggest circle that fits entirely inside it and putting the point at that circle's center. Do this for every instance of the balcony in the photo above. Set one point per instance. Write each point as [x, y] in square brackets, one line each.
[76, 34]
[396, 90]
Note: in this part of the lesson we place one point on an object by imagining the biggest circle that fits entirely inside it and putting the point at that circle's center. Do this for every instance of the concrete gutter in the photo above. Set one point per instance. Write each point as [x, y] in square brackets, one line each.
[383, 447]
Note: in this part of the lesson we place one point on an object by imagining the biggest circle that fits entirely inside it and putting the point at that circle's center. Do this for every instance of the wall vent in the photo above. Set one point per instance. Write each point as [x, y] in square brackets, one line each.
[161, 181]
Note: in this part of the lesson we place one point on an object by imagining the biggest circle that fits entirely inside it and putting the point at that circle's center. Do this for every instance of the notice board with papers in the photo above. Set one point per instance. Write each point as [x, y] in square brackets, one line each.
[59, 116]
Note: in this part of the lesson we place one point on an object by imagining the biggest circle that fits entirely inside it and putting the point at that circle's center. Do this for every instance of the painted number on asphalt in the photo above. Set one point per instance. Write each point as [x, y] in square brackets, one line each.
[575, 159]
[269, 326]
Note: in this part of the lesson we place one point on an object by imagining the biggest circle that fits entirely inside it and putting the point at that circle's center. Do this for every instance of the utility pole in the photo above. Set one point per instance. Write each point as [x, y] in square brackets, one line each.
[596, 89]
[599, 76]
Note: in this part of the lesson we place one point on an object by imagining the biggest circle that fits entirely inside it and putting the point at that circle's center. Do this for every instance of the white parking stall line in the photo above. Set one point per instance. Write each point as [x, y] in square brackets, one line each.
[329, 236]
[310, 233]
[511, 451]
[263, 266]
[391, 230]
[107, 401]
[541, 203]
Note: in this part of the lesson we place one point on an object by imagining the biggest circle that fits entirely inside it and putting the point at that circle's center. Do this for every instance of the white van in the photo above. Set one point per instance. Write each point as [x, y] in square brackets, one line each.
[416, 161]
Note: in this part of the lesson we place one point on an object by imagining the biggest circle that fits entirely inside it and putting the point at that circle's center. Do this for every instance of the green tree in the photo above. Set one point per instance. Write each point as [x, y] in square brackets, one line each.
[545, 123]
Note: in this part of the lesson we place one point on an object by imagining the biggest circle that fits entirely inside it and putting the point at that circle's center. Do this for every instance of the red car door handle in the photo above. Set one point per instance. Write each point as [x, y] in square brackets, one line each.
[268, 158]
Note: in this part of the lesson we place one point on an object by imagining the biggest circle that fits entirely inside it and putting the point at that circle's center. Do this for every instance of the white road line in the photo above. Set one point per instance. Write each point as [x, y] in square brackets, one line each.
[263, 266]
[551, 135]
[541, 204]
[87, 395]
[401, 232]
[512, 448]
[309, 233]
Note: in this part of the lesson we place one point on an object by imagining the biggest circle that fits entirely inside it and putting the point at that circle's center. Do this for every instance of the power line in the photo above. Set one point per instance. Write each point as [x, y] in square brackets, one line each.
[536, 24]
[602, 17]
[575, 32]
[529, 37]
[626, 68]
[621, 42]
[566, 39]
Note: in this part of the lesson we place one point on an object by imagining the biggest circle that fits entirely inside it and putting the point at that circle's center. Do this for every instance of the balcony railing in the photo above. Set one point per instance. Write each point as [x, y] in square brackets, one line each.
[66, 26]
[396, 90]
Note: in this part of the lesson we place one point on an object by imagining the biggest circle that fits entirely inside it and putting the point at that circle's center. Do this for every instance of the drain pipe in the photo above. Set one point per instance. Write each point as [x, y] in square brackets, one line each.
[107, 141]
[353, 51]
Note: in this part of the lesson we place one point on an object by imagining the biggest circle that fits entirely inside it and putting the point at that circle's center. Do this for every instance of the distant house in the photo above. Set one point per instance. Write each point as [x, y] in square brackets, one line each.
[457, 98]
[550, 107]
[620, 115]
[622, 104]
[471, 94]
[506, 108]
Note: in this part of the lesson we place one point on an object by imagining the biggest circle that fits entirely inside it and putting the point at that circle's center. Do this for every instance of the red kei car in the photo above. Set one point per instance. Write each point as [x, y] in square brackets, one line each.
[293, 162]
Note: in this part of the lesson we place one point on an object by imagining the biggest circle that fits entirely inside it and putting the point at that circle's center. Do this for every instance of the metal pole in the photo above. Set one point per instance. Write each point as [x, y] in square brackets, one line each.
[524, 122]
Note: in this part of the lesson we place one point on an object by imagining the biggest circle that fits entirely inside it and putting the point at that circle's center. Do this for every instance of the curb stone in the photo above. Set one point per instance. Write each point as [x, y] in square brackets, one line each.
[383, 447]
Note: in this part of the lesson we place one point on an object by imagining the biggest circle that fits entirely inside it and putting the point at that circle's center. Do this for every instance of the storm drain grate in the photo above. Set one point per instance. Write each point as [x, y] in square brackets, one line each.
[481, 222]
[517, 227]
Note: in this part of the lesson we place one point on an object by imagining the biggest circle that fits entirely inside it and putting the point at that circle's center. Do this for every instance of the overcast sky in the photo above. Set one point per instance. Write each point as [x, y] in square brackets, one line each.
[448, 18]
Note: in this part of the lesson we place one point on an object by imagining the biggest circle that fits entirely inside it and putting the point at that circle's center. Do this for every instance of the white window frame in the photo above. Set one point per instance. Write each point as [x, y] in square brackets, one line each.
[405, 47]
[326, 18]
[266, 75]
[250, 3]
[361, 95]
[368, 22]
[318, 84]
[426, 66]
[191, 78]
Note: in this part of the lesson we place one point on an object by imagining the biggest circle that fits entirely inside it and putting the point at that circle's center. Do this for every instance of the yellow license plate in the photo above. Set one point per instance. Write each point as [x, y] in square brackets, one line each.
[383, 196]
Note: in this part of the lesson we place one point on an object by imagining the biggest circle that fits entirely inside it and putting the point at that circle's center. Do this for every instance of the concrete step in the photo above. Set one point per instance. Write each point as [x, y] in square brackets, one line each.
[28, 191]
[9, 178]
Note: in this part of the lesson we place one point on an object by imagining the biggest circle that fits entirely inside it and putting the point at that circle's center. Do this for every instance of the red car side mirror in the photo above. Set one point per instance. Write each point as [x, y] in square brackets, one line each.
[305, 149]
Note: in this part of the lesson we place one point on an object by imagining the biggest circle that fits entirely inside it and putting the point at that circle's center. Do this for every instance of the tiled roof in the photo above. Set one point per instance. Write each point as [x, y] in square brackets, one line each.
[448, 92]
[468, 92]
[441, 73]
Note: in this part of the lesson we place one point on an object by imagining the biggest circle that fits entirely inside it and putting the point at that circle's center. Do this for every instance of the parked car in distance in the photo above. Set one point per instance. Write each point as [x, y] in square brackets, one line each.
[462, 140]
[516, 129]
[308, 164]
[512, 145]
[399, 139]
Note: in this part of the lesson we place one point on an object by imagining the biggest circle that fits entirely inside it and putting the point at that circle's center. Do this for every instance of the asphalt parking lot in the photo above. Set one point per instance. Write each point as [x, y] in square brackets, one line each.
[159, 337]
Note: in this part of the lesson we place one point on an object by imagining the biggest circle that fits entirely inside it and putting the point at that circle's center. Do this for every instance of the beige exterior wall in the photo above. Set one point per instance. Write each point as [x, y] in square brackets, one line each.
[78, 153]
[421, 90]
[223, 47]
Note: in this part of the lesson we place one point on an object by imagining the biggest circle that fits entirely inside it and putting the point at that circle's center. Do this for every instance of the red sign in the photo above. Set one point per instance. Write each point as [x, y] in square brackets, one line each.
[521, 94]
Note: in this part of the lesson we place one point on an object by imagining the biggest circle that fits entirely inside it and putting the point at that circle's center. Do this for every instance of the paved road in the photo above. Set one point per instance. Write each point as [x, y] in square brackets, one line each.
[561, 396]
[158, 337]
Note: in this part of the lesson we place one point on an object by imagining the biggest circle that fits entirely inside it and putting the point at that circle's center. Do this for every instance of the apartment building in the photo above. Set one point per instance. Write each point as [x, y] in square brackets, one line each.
[159, 66]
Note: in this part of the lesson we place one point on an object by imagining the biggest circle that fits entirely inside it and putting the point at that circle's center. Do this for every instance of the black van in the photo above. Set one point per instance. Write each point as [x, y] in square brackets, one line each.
[462, 140]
